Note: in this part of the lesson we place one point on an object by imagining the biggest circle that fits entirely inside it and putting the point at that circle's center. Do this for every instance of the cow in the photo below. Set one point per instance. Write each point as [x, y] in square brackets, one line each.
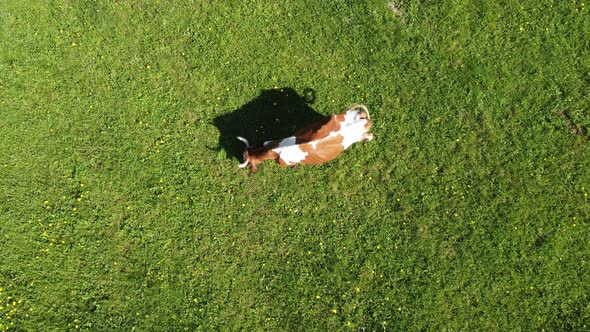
[315, 144]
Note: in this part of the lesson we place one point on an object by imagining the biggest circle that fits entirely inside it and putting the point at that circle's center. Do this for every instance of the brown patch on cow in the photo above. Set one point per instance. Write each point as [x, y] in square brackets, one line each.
[325, 150]
[339, 118]
[318, 130]
[260, 151]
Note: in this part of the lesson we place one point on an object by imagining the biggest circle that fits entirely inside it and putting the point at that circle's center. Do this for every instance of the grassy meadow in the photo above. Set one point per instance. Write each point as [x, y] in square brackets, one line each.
[122, 207]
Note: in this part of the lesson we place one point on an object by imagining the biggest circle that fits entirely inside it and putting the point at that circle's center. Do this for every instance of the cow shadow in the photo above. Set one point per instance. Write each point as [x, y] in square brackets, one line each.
[274, 114]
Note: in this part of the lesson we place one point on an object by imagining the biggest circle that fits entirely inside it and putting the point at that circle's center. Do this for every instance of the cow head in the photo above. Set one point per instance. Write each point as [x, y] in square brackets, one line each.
[248, 161]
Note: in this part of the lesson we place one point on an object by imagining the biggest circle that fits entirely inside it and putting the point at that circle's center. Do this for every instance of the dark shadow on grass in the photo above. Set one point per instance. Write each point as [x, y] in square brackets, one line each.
[274, 114]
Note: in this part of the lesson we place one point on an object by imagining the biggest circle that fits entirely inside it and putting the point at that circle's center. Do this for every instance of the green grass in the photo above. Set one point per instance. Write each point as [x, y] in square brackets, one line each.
[469, 211]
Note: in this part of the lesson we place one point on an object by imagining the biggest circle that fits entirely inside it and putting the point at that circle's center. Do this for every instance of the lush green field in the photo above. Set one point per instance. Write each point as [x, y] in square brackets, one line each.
[122, 206]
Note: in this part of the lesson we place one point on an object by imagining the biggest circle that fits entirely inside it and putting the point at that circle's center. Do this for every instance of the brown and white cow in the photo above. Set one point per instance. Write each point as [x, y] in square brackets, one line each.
[317, 143]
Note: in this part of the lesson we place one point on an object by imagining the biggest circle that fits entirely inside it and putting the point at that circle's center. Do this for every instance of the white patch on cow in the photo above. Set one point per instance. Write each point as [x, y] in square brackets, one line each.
[287, 141]
[353, 133]
[291, 154]
[266, 143]
[314, 144]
